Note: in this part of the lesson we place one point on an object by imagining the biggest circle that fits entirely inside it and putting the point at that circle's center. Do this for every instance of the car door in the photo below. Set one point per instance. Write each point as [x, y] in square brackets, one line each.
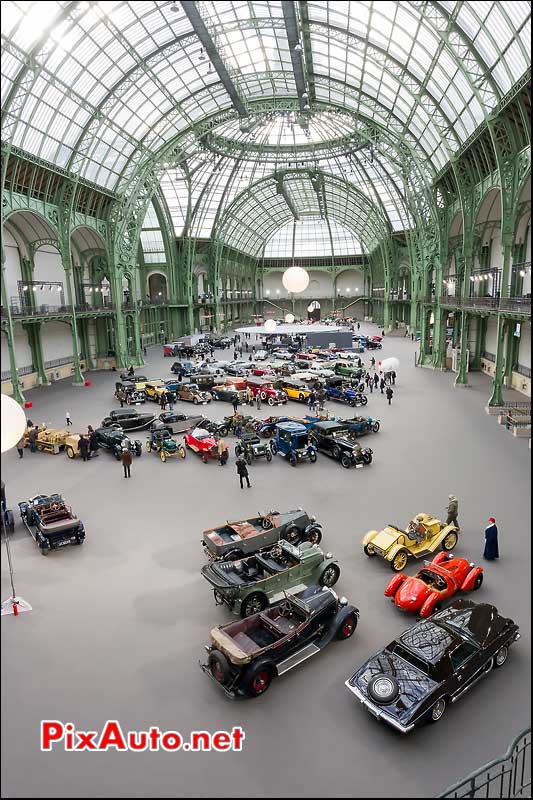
[466, 662]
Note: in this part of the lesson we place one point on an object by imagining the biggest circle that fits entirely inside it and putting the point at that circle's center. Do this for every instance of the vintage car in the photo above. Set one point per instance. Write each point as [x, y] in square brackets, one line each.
[178, 423]
[128, 419]
[249, 585]
[356, 373]
[50, 440]
[371, 344]
[161, 442]
[261, 355]
[360, 426]
[115, 439]
[127, 378]
[202, 442]
[228, 393]
[424, 535]
[334, 439]
[127, 393]
[267, 427]
[155, 388]
[433, 663]
[191, 393]
[204, 380]
[238, 539]
[295, 390]
[440, 579]
[345, 395]
[245, 656]
[185, 367]
[259, 372]
[243, 421]
[51, 522]
[291, 440]
[251, 447]
[266, 391]
[237, 368]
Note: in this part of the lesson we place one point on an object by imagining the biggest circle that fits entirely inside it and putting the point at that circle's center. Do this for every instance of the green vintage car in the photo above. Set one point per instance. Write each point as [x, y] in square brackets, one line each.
[348, 371]
[250, 584]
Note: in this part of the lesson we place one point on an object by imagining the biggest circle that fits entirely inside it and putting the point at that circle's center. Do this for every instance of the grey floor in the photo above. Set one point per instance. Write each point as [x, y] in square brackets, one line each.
[118, 625]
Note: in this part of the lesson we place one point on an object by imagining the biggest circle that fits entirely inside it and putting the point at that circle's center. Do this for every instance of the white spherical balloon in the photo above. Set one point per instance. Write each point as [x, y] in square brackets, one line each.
[13, 423]
[389, 364]
[270, 325]
[289, 318]
[310, 308]
[295, 280]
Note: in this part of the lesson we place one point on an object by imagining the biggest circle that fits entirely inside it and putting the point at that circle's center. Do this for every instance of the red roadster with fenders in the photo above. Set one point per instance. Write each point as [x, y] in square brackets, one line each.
[202, 442]
[437, 581]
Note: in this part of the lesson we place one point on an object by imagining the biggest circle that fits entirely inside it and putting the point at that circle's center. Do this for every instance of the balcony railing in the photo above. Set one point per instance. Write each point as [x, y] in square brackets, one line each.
[517, 305]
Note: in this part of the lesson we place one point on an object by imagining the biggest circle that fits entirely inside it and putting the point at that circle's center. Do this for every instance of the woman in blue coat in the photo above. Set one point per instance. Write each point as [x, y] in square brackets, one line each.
[491, 541]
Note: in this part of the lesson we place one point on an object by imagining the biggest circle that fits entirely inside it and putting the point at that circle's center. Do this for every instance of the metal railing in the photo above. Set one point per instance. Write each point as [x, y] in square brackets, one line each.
[520, 305]
[508, 776]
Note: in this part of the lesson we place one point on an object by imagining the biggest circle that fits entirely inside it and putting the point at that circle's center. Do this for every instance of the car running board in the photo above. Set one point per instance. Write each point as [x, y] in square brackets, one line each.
[297, 658]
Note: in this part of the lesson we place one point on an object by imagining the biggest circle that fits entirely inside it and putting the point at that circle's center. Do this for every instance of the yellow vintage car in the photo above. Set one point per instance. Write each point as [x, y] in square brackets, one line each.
[53, 440]
[296, 390]
[424, 535]
[154, 389]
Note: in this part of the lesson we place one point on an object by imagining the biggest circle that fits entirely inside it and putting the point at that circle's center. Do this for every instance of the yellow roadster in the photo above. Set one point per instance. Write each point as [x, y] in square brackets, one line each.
[424, 535]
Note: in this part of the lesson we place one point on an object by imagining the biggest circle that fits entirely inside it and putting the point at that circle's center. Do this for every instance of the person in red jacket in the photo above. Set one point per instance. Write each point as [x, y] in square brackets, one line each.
[126, 459]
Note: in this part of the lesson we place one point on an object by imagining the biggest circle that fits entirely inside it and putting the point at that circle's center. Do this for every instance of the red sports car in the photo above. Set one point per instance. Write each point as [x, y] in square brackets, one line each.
[202, 442]
[262, 371]
[438, 580]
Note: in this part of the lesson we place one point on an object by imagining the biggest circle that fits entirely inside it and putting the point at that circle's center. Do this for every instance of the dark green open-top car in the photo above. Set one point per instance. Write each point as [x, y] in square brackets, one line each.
[116, 440]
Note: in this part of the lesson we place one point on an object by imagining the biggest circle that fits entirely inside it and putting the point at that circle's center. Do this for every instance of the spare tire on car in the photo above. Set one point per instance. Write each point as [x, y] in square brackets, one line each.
[219, 666]
[383, 689]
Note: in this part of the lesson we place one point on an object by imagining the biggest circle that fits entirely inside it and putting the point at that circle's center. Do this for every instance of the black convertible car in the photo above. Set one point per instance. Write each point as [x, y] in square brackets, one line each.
[433, 663]
[115, 440]
[245, 656]
[228, 393]
[334, 439]
[51, 522]
[128, 419]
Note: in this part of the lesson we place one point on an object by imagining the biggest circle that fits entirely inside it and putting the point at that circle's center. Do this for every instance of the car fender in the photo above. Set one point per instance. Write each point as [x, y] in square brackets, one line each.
[468, 583]
[394, 584]
[441, 557]
[368, 537]
[312, 526]
[429, 604]
[389, 555]
[335, 624]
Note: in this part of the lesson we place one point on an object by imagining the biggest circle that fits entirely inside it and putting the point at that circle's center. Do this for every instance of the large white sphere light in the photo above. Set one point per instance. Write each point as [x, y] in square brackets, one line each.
[13, 423]
[289, 318]
[270, 325]
[310, 308]
[295, 280]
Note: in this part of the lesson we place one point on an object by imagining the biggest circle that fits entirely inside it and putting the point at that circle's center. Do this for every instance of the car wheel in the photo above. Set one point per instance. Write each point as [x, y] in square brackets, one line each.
[273, 448]
[138, 448]
[45, 551]
[268, 455]
[253, 604]
[205, 458]
[293, 460]
[437, 712]
[369, 550]
[478, 582]
[312, 456]
[271, 401]
[314, 536]
[106, 422]
[70, 452]
[336, 452]
[223, 431]
[148, 447]
[383, 689]
[117, 455]
[346, 462]
[181, 451]
[501, 656]
[449, 541]
[263, 395]
[347, 627]
[375, 427]
[351, 403]
[238, 450]
[330, 576]
[301, 398]
[219, 666]
[195, 401]
[257, 680]
[367, 458]
[292, 534]
[162, 456]
[399, 561]
[364, 400]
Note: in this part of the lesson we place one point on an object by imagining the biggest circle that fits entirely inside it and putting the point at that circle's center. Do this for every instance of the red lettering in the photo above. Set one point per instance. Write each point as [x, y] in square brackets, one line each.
[112, 736]
[171, 741]
[154, 738]
[201, 740]
[86, 740]
[137, 744]
[69, 736]
[238, 738]
[51, 731]
[221, 740]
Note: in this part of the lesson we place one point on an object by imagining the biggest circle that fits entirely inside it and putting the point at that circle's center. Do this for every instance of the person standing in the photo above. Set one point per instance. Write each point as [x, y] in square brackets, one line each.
[32, 438]
[358, 326]
[67, 417]
[222, 452]
[383, 334]
[376, 380]
[83, 447]
[382, 384]
[126, 459]
[491, 541]
[393, 376]
[452, 509]
[373, 361]
[93, 441]
[144, 350]
[359, 363]
[258, 401]
[250, 396]
[20, 447]
[371, 385]
[235, 355]
[389, 393]
[163, 401]
[121, 401]
[242, 472]
[131, 371]
[235, 403]
[246, 346]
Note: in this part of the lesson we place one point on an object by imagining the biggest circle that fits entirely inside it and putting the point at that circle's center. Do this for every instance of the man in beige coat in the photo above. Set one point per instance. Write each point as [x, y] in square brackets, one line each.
[453, 510]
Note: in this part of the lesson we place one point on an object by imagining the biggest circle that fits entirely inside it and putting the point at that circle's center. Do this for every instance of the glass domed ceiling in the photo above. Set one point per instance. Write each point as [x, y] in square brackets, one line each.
[290, 129]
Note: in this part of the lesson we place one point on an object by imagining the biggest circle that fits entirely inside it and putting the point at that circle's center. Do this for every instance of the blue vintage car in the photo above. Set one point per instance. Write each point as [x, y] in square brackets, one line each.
[343, 395]
[291, 440]
[362, 425]
[267, 427]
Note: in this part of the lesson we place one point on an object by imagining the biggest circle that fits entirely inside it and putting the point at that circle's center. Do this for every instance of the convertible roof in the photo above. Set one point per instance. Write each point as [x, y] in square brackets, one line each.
[292, 427]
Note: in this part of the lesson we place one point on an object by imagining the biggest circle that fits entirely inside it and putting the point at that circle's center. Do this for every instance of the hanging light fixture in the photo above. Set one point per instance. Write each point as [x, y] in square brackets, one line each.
[289, 318]
[295, 280]
[270, 325]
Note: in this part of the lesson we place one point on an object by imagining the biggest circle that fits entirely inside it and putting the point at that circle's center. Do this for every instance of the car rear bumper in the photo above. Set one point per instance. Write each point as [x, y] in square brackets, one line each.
[378, 712]
[231, 693]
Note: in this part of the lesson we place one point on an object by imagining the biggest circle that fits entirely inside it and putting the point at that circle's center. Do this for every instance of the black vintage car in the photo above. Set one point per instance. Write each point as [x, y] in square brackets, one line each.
[228, 393]
[185, 367]
[127, 393]
[126, 378]
[337, 441]
[251, 447]
[115, 439]
[179, 423]
[433, 663]
[244, 657]
[51, 522]
[128, 419]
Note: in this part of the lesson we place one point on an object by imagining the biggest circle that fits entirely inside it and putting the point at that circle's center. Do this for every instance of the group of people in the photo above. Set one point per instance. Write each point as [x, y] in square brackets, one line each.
[88, 444]
[491, 550]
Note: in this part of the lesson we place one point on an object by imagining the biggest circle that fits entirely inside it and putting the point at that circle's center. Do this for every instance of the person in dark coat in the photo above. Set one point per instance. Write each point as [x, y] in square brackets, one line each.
[126, 458]
[235, 403]
[382, 384]
[242, 472]
[376, 379]
[453, 510]
[359, 363]
[389, 394]
[32, 438]
[83, 447]
[163, 401]
[373, 361]
[131, 371]
[491, 541]
[93, 441]
[393, 376]
[358, 326]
